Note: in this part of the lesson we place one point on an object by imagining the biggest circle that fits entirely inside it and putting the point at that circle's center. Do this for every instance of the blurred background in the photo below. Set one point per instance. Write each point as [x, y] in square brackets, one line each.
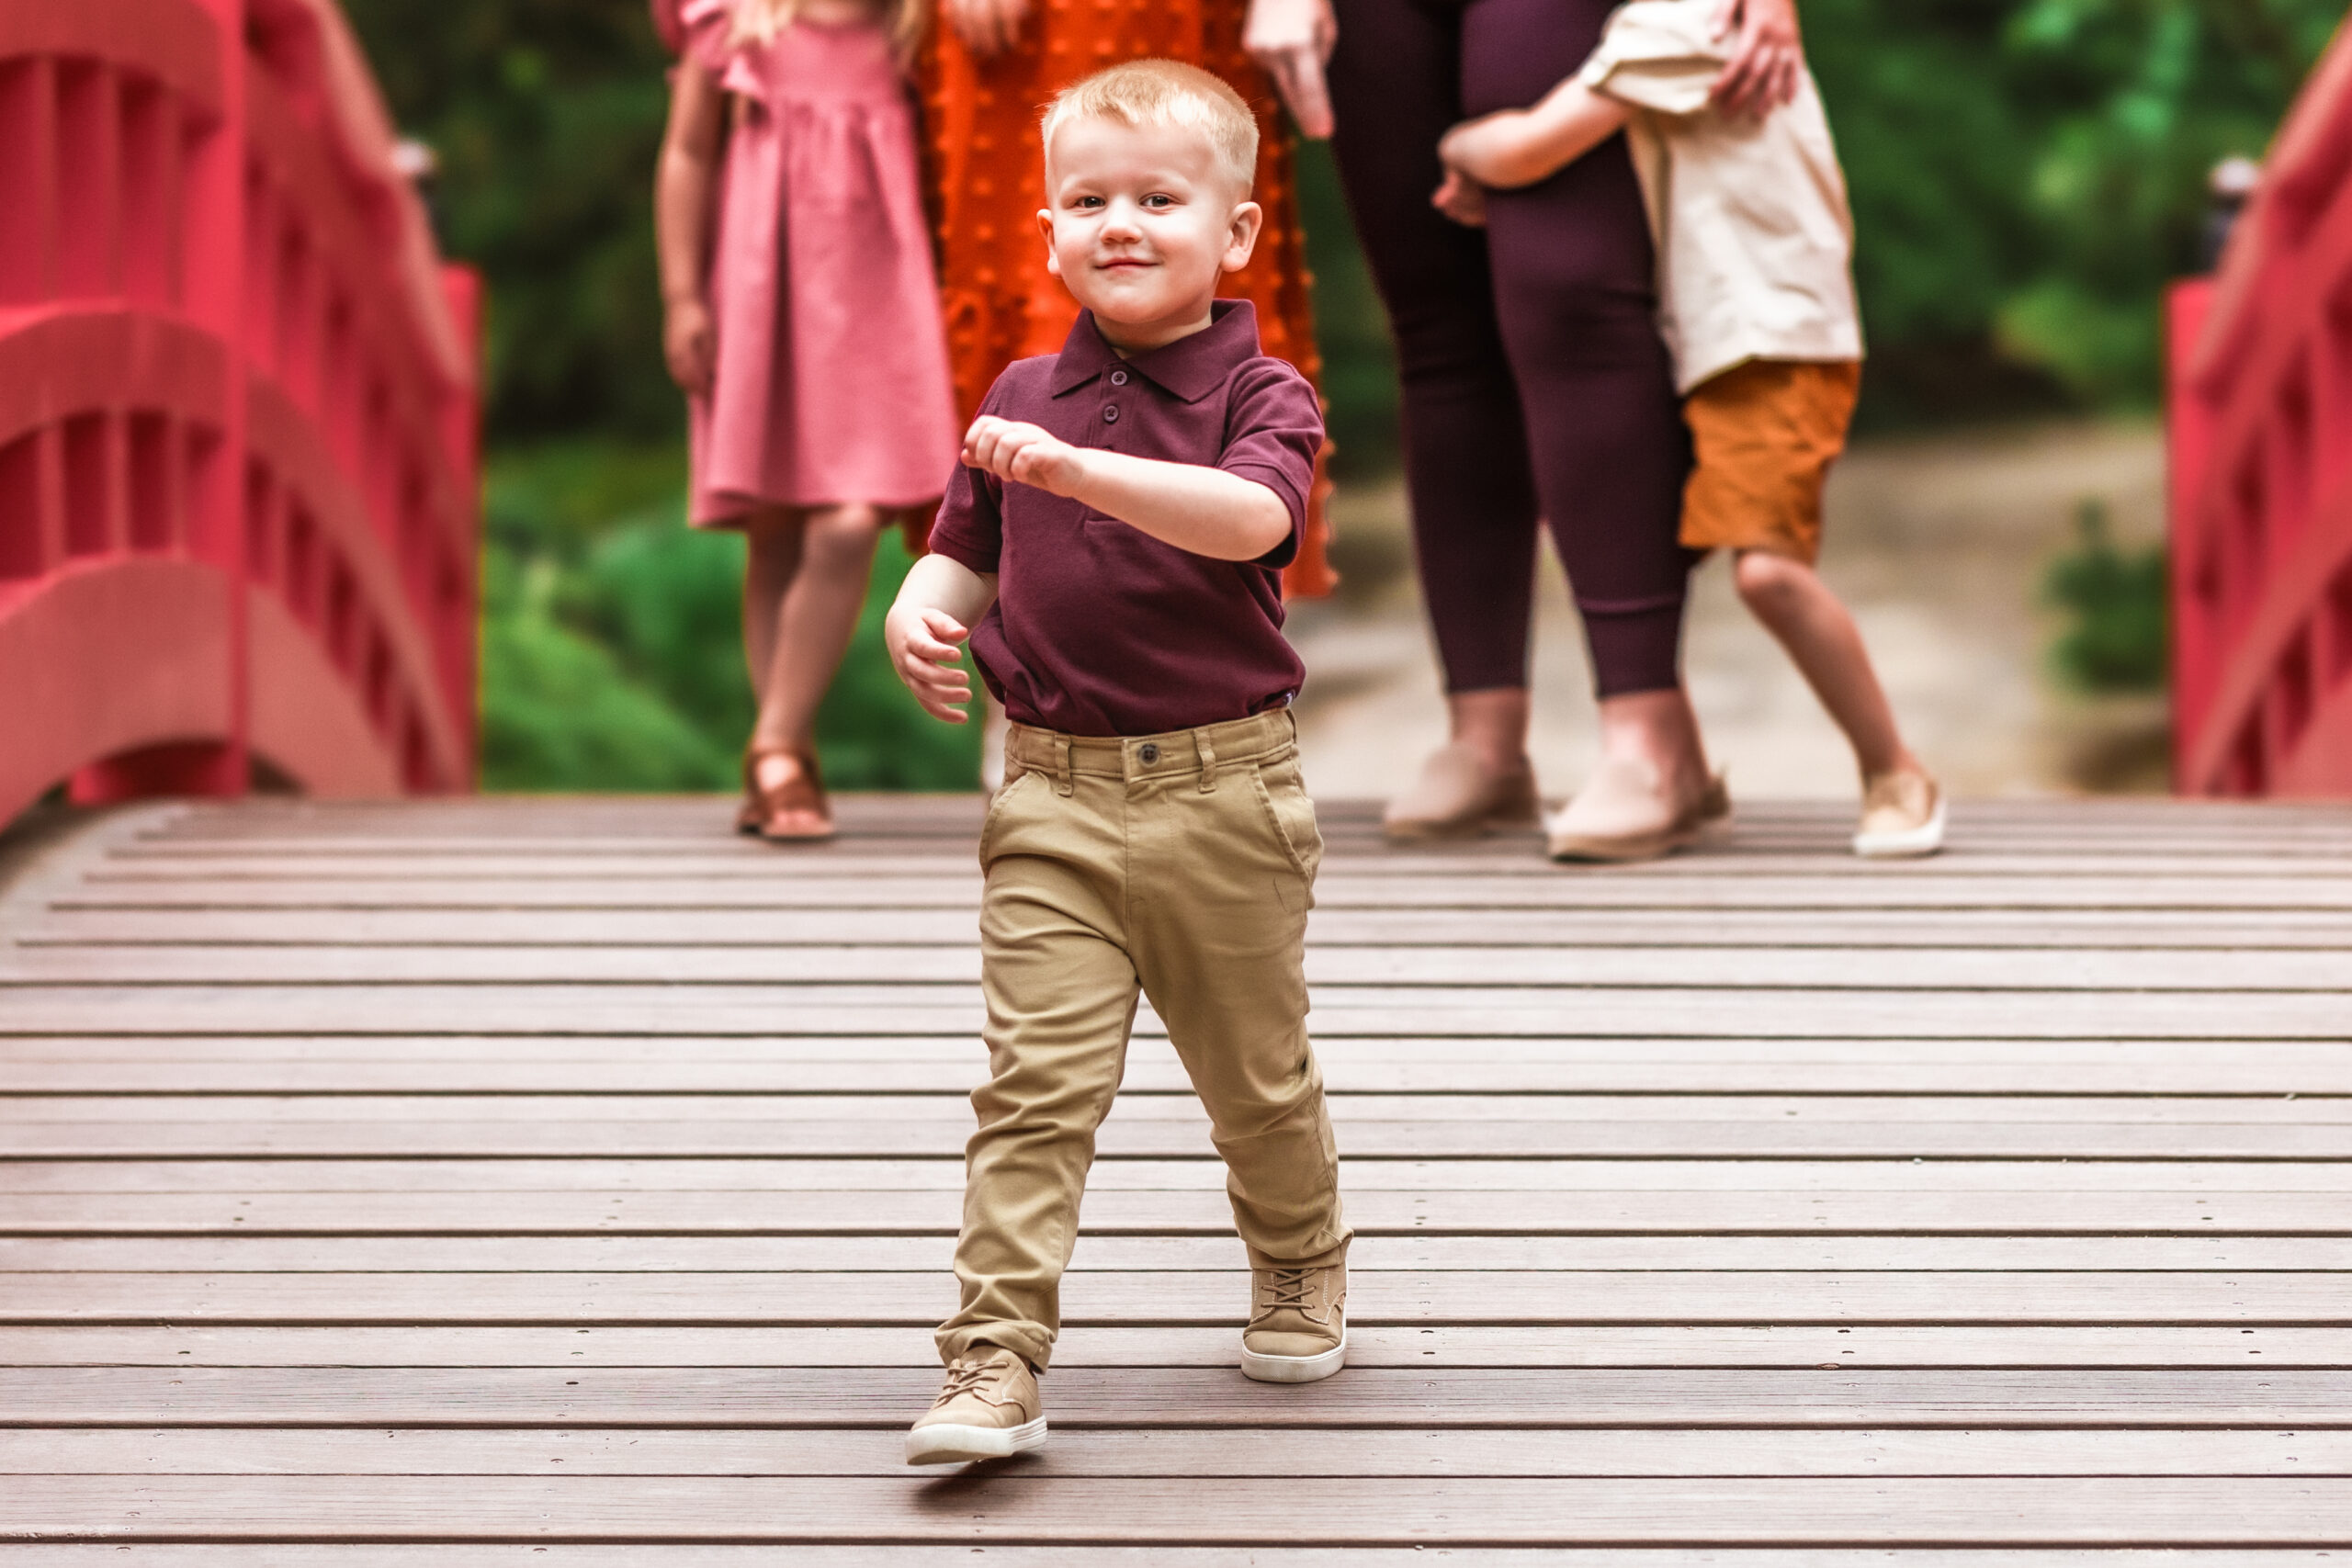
[2026, 177]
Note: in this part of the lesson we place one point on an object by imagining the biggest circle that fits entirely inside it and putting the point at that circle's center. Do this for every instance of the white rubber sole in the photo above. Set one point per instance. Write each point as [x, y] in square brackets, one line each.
[1293, 1369]
[947, 1444]
[1923, 839]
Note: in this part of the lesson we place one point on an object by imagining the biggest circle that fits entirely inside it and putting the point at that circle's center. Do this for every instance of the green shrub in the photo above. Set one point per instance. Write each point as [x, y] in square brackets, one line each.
[2115, 602]
[612, 642]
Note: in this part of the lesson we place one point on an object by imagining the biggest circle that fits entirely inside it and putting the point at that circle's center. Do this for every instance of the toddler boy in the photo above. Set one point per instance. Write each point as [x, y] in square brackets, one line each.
[1112, 548]
[1756, 305]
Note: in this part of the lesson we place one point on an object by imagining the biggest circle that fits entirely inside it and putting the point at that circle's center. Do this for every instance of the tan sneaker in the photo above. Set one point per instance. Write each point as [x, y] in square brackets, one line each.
[988, 1408]
[1457, 797]
[1625, 814]
[1903, 815]
[1298, 1324]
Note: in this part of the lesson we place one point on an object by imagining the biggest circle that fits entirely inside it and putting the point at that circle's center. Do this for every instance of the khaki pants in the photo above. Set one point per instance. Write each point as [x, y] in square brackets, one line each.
[1179, 867]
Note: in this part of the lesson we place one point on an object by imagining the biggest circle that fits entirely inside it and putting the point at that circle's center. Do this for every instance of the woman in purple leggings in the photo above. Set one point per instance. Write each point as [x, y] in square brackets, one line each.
[1535, 386]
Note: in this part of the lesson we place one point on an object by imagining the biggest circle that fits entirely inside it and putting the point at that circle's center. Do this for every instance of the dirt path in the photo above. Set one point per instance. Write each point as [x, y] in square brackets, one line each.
[1940, 544]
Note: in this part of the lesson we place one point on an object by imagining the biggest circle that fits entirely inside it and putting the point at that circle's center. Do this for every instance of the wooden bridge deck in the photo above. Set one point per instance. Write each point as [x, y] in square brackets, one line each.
[565, 1183]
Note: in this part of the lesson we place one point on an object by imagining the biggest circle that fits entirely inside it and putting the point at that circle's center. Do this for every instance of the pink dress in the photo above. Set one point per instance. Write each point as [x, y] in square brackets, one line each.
[832, 383]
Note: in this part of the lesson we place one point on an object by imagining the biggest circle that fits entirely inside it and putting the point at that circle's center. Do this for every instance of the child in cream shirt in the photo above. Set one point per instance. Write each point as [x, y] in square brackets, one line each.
[1756, 306]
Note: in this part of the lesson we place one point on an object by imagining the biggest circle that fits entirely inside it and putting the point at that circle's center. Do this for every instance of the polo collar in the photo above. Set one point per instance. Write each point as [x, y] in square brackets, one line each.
[1190, 368]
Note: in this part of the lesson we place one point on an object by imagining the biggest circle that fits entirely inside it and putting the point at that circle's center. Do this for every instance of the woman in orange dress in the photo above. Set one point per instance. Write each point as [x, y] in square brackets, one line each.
[986, 73]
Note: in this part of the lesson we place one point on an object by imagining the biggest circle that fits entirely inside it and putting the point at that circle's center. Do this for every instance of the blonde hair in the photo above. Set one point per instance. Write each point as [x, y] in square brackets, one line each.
[759, 21]
[1164, 92]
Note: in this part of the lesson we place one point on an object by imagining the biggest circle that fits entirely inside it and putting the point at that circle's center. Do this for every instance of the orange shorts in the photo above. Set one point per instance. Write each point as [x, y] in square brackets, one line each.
[1765, 434]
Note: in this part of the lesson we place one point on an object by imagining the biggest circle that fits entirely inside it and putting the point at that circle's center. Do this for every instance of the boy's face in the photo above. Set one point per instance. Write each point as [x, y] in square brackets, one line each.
[1142, 223]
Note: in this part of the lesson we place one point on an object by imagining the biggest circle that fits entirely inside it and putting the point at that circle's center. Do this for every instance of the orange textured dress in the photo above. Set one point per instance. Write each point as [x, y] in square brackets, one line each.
[987, 174]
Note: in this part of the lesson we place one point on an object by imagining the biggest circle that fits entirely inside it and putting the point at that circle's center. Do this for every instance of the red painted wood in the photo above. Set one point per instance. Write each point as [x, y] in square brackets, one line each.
[2260, 427]
[238, 465]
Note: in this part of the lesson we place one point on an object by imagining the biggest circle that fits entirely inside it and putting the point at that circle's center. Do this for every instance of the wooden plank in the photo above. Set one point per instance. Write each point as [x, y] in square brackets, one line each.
[1592, 1013]
[375, 1065]
[2316, 1114]
[732, 860]
[1894, 1510]
[1136, 1398]
[1797, 1347]
[1566, 969]
[641, 1254]
[1371, 1211]
[2243, 1299]
[328, 1129]
[1234, 1451]
[1592, 1180]
[1844, 889]
[575, 1554]
[2007, 929]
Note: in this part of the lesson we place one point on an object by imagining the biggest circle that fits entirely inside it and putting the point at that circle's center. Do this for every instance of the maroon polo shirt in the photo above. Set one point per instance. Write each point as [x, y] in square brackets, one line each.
[1099, 628]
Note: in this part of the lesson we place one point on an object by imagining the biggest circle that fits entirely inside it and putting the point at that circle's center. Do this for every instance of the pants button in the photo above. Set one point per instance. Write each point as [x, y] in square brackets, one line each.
[1150, 754]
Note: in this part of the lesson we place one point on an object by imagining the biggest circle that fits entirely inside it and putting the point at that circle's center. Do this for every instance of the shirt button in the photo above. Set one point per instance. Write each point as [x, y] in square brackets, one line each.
[1111, 415]
[1118, 377]
[1150, 753]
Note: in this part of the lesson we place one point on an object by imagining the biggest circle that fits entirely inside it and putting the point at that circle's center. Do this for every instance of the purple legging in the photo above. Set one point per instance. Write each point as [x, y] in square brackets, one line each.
[1534, 380]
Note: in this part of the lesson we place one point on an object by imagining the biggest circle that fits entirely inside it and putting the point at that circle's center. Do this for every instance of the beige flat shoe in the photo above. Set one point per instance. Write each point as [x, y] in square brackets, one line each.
[1458, 797]
[1623, 813]
[1902, 817]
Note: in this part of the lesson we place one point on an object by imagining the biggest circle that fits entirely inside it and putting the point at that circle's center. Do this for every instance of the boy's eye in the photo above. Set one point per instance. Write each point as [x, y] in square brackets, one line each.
[1159, 201]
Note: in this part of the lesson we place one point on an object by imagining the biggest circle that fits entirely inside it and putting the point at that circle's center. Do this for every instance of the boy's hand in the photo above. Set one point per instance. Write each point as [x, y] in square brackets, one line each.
[1461, 199]
[690, 345]
[925, 651]
[1024, 454]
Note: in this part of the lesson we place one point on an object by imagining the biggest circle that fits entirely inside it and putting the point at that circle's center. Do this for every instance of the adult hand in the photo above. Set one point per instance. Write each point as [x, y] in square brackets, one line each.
[925, 651]
[1291, 40]
[1461, 199]
[1024, 454]
[1761, 74]
[987, 27]
[690, 345]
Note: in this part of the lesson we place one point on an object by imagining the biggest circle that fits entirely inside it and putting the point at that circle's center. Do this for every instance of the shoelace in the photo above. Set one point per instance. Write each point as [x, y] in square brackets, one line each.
[965, 1377]
[1291, 1288]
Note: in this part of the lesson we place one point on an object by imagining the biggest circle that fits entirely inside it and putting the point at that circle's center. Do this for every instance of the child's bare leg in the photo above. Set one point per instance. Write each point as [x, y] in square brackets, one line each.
[771, 557]
[1799, 611]
[803, 588]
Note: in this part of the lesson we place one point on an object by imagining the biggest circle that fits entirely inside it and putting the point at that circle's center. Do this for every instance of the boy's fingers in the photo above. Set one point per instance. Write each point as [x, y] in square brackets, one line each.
[944, 626]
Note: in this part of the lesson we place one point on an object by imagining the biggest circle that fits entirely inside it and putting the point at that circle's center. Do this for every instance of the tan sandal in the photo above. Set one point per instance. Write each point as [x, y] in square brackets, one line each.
[770, 809]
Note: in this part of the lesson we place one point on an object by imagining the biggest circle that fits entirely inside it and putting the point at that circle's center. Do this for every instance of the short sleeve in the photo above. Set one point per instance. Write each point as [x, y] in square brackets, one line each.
[969, 529]
[1659, 55]
[706, 31]
[1273, 427]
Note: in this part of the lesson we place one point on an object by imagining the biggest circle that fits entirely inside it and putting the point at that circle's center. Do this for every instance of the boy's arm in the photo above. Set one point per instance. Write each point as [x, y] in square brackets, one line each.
[1206, 511]
[933, 615]
[1519, 147]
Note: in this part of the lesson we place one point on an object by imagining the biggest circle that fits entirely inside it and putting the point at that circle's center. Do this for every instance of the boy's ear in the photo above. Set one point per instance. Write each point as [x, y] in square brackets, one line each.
[1241, 236]
[1045, 227]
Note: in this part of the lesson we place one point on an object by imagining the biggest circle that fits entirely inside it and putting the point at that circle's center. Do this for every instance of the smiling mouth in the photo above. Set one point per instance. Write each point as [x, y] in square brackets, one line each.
[1124, 261]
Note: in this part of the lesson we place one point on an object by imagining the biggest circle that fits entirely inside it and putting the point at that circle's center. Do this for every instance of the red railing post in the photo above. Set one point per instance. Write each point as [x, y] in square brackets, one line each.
[238, 477]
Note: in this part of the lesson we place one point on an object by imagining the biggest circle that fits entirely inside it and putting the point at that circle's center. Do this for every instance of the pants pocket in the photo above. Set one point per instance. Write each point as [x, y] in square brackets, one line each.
[1289, 817]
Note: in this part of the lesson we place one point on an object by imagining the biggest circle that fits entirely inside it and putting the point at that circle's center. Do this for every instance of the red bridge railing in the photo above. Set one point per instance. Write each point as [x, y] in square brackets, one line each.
[2260, 434]
[237, 409]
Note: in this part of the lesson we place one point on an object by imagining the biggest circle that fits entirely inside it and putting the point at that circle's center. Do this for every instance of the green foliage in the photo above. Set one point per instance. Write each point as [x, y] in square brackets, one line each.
[2026, 175]
[546, 115]
[612, 642]
[2114, 602]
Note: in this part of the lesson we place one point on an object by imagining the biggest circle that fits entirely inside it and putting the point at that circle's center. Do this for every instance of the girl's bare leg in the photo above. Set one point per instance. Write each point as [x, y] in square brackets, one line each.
[1799, 611]
[803, 587]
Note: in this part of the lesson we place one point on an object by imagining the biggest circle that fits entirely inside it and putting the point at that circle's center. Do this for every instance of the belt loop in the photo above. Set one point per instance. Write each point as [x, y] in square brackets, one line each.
[1208, 760]
[1065, 781]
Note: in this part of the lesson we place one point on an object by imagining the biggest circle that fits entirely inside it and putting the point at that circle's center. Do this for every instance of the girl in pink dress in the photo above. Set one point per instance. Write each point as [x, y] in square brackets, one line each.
[802, 321]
